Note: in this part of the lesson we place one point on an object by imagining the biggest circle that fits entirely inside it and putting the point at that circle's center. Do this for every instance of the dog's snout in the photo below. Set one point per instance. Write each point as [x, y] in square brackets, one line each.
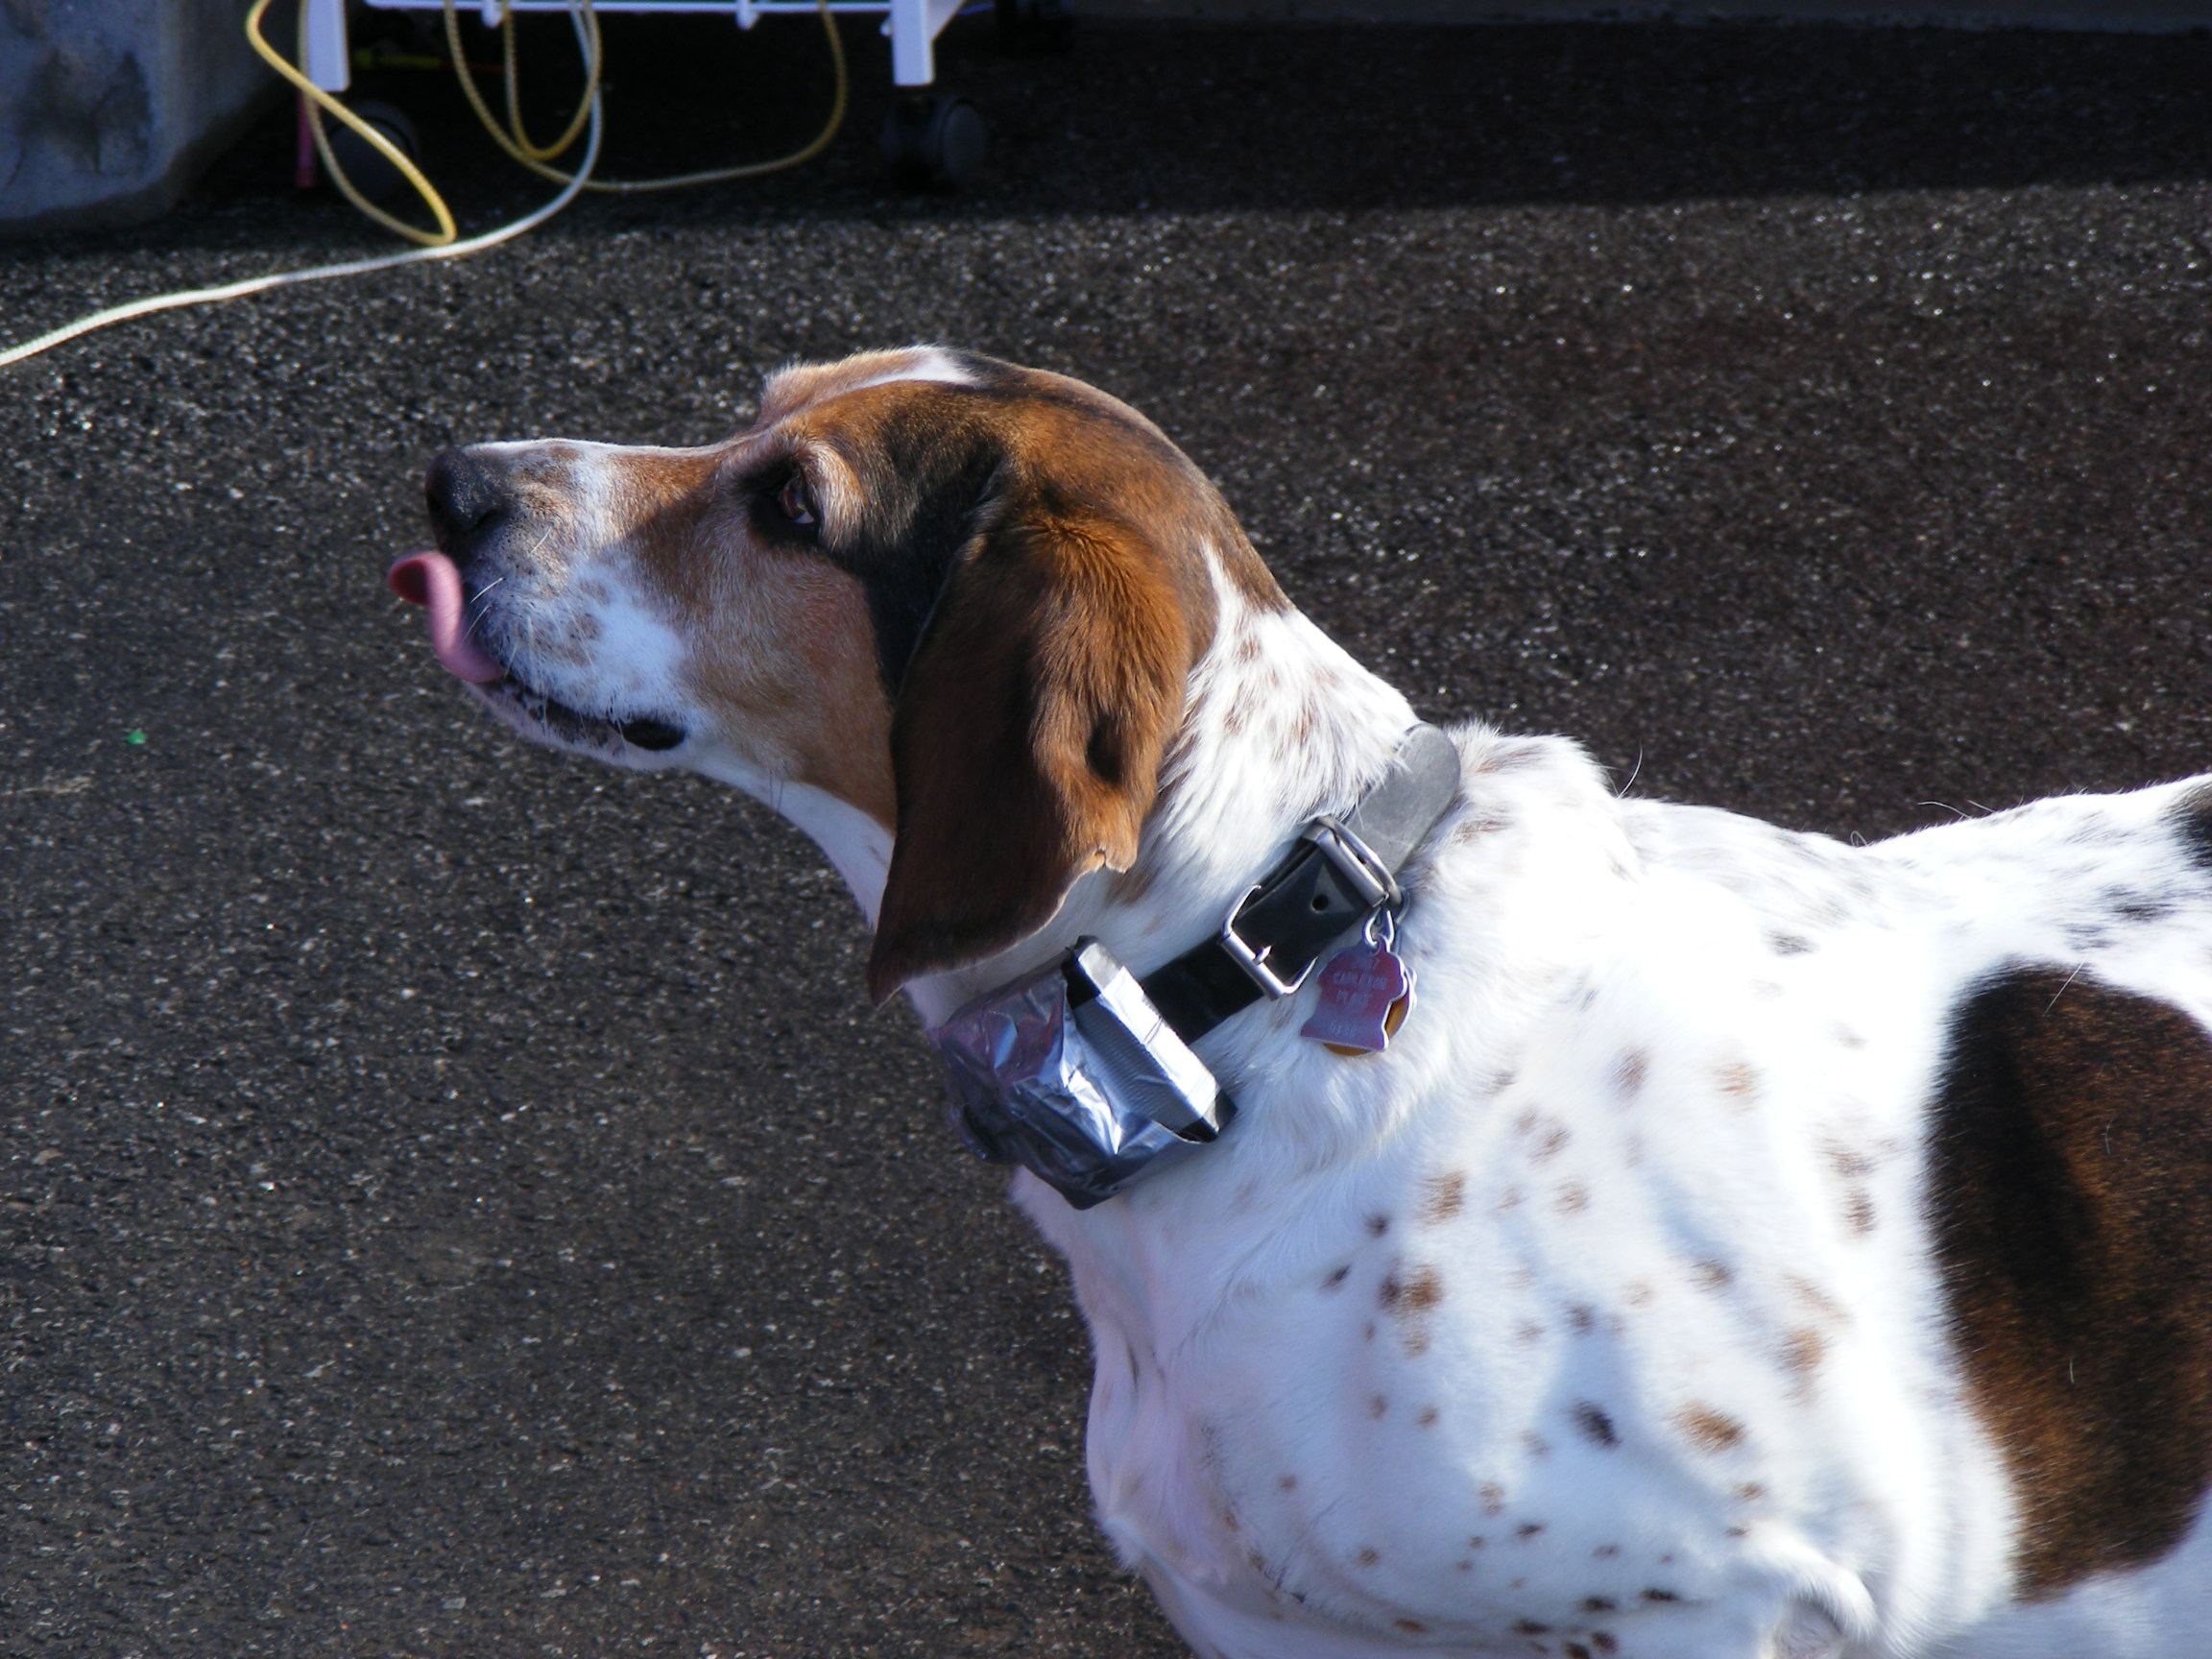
[467, 496]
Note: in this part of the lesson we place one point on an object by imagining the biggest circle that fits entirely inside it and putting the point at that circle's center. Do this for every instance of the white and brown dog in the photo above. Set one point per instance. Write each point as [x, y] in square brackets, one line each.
[1751, 1246]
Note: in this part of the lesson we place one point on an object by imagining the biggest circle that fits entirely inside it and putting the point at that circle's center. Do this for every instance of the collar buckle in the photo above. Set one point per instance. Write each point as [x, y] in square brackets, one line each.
[1361, 870]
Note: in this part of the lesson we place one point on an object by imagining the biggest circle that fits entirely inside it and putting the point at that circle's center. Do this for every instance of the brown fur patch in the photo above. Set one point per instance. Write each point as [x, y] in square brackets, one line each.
[1708, 1429]
[1802, 1352]
[1738, 1081]
[2071, 1192]
[1443, 1196]
[1413, 1294]
[1047, 683]
[1629, 1072]
[1034, 559]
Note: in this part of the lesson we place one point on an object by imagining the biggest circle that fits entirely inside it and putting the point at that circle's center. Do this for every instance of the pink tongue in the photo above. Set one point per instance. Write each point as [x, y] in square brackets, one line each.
[431, 579]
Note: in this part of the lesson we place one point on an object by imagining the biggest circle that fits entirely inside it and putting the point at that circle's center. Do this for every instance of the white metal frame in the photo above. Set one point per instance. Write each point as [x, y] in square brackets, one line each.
[913, 26]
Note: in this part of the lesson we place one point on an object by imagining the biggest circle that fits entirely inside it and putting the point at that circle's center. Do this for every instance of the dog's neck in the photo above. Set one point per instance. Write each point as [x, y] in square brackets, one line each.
[1279, 724]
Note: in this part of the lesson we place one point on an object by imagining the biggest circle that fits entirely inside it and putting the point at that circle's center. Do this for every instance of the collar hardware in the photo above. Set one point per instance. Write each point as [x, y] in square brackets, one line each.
[1083, 1073]
[1364, 885]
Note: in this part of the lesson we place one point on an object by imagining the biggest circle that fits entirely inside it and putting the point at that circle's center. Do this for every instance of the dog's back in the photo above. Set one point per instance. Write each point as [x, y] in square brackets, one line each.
[1785, 1244]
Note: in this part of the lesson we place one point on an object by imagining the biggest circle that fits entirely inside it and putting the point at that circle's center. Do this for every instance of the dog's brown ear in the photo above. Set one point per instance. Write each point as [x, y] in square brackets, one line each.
[1027, 742]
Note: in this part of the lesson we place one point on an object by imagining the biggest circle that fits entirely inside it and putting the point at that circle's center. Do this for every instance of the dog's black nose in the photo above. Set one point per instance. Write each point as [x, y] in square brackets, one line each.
[468, 496]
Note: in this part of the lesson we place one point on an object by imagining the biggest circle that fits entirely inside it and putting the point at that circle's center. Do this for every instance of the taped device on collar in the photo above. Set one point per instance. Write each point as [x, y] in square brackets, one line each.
[1085, 1075]
[1071, 1072]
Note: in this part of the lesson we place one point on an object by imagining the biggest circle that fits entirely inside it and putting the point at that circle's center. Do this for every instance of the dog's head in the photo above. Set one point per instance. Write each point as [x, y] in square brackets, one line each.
[960, 597]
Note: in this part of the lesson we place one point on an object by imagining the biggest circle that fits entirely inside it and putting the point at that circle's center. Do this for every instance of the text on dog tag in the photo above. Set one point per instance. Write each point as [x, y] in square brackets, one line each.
[1364, 993]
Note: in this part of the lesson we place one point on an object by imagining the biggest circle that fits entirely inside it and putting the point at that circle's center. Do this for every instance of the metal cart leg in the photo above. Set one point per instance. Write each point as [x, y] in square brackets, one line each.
[323, 58]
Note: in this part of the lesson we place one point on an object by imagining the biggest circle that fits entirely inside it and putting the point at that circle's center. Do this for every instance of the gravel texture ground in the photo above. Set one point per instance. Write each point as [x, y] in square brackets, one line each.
[457, 1201]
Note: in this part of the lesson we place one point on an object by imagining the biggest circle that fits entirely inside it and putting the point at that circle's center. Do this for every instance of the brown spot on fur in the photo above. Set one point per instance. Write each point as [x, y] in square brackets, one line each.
[1574, 1651]
[1813, 1296]
[1367, 1557]
[1639, 1293]
[1443, 1196]
[1738, 1081]
[1414, 1294]
[1477, 1542]
[1509, 758]
[1802, 1352]
[1510, 1199]
[1482, 821]
[1427, 1417]
[1599, 1605]
[1606, 1552]
[1529, 1529]
[1378, 1225]
[1377, 1404]
[1604, 1641]
[1629, 1073]
[1750, 1492]
[1550, 1143]
[1852, 1165]
[1708, 1429]
[1530, 1627]
[1572, 1197]
[1528, 1334]
[1711, 1275]
[1859, 1211]
[1493, 1498]
[2071, 1189]
[1336, 1278]
[1411, 1626]
[1535, 1444]
[1582, 1318]
[1288, 1484]
[1661, 1595]
[1594, 1426]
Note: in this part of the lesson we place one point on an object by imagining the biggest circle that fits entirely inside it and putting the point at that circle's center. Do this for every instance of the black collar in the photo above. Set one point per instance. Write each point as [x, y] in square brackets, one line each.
[1340, 873]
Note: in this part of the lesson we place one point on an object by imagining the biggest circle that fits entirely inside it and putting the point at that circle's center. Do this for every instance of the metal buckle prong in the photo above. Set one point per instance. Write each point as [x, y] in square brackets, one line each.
[1254, 962]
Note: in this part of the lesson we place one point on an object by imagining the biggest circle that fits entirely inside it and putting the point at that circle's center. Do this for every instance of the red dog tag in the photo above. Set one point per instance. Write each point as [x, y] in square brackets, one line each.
[1365, 992]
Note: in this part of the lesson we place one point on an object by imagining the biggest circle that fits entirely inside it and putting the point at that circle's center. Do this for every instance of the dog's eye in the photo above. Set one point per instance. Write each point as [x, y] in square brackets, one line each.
[797, 500]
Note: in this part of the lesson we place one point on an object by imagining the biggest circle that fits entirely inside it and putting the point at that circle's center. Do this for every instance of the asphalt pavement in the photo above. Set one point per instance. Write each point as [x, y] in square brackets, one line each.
[456, 1201]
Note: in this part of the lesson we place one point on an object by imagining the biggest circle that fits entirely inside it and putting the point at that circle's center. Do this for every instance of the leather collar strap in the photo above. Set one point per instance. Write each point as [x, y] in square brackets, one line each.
[1340, 872]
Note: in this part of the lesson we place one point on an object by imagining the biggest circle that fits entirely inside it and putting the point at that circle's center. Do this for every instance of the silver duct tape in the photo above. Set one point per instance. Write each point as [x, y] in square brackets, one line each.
[1071, 1073]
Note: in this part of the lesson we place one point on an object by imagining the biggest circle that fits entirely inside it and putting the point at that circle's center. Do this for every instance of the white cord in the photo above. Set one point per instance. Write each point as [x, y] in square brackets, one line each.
[322, 273]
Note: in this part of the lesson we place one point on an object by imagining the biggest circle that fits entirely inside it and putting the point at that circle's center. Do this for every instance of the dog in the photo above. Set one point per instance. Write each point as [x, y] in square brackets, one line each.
[1747, 1247]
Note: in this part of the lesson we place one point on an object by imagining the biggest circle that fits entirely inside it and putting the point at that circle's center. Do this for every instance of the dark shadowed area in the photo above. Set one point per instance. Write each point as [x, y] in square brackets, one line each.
[457, 1201]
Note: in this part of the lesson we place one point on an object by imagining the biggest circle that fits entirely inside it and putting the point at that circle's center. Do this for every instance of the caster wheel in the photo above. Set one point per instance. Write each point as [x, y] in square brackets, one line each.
[934, 143]
[368, 171]
[1034, 25]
